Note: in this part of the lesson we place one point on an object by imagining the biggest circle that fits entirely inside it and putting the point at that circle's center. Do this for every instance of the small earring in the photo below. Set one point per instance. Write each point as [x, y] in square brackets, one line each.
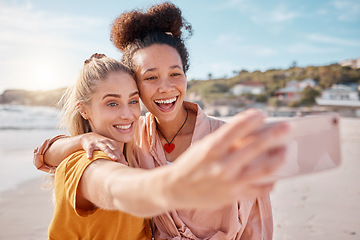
[81, 114]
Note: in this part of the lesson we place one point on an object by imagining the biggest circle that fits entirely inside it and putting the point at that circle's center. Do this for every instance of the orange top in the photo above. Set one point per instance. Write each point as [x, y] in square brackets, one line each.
[250, 219]
[72, 223]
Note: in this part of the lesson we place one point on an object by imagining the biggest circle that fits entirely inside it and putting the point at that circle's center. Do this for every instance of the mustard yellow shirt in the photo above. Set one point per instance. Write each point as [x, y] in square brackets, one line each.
[72, 223]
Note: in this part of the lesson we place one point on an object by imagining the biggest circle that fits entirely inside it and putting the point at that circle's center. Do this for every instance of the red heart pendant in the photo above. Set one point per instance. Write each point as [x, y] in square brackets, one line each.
[169, 147]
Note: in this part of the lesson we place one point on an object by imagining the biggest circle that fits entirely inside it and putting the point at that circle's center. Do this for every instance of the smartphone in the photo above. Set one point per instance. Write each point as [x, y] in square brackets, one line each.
[313, 145]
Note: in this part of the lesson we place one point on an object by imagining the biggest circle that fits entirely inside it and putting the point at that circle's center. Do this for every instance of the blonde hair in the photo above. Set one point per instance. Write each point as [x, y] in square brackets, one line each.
[95, 69]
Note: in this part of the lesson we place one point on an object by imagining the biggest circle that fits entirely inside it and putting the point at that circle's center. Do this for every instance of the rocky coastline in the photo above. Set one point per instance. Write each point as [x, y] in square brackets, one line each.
[48, 98]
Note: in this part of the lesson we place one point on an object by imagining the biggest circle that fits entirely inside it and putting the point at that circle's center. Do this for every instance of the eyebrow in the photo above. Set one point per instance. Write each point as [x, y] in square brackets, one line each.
[154, 69]
[134, 93]
[175, 66]
[119, 96]
[149, 70]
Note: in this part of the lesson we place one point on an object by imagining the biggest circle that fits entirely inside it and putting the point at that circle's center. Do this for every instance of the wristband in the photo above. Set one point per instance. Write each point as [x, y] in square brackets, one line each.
[39, 155]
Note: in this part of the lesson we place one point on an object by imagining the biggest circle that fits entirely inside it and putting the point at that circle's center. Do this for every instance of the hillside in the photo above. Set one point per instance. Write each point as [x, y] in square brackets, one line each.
[215, 90]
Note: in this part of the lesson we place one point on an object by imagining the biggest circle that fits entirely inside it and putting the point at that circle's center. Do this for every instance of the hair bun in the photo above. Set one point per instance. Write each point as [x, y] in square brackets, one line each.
[95, 55]
[138, 24]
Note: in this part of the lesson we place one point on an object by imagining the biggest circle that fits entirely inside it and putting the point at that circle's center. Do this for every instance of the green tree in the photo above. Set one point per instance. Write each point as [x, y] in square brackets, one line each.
[219, 88]
[308, 95]
[274, 102]
[261, 98]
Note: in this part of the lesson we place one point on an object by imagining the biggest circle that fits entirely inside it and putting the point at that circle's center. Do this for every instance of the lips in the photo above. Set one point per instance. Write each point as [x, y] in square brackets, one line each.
[124, 128]
[166, 104]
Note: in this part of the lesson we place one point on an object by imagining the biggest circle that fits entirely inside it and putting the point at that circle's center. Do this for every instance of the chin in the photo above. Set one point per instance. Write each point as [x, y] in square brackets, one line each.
[124, 139]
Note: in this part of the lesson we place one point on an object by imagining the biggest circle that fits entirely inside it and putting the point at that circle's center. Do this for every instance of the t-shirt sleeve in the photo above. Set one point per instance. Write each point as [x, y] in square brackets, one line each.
[69, 173]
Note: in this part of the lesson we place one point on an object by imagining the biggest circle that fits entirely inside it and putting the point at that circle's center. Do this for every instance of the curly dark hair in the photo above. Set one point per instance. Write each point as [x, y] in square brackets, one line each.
[161, 24]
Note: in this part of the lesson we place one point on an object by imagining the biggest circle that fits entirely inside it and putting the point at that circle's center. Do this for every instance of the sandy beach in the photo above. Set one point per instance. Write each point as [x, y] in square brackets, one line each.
[320, 206]
[324, 205]
[25, 209]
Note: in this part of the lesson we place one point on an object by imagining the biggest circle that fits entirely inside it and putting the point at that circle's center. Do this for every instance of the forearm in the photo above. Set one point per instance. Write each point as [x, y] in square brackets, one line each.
[60, 149]
[140, 192]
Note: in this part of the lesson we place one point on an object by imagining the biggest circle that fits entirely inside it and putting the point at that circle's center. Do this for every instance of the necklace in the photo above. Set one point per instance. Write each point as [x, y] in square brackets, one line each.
[170, 146]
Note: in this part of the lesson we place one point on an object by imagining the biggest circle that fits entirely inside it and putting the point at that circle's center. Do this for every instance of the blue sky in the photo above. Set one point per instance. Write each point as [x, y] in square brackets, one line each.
[43, 44]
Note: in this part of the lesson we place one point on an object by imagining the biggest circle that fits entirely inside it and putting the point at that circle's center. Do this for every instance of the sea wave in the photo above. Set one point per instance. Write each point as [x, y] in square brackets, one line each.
[18, 117]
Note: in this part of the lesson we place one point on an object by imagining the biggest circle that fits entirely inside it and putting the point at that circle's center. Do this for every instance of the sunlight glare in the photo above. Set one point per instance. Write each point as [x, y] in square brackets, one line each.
[46, 75]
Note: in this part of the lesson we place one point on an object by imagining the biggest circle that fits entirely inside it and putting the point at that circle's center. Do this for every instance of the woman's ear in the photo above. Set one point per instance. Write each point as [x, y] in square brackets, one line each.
[81, 108]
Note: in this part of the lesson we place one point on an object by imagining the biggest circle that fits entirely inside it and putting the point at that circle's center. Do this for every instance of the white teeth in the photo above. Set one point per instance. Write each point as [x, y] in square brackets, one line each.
[123, 127]
[171, 100]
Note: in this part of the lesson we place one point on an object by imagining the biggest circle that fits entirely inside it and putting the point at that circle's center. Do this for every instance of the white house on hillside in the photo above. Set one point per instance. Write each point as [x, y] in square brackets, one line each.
[308, 82]
[353, 63]
[255, 88]
[340, 95]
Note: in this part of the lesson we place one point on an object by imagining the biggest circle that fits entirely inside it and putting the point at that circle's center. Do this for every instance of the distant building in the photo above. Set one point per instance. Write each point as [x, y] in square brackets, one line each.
[353, 63]
[293, 89]
[308, 82]
[340, 95]
[255, 88]
[291, 93]
[292, 83]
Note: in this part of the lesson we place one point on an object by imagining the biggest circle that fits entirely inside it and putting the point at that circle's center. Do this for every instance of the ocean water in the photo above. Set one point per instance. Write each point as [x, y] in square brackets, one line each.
[22, 129]
[16, 117]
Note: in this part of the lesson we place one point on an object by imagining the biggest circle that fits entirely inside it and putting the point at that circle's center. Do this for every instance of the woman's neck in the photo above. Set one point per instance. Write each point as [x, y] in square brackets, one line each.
[170, 128]
[121, 146]
[121, 149]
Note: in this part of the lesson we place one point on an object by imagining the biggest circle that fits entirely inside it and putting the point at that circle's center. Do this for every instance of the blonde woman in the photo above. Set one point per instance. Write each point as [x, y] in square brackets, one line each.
[104, 100]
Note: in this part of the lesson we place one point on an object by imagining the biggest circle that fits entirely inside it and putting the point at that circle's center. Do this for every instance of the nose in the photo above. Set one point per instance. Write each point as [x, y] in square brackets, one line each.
[166, 85]
[126, 113]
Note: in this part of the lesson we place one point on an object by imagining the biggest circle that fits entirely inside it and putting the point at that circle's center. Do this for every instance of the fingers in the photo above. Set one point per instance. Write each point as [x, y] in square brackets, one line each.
[91, 142]
[240, 126]
[89, 151]
[264, 166]
[109, 149]
[259, 143]
[259, 178]
[256, 169]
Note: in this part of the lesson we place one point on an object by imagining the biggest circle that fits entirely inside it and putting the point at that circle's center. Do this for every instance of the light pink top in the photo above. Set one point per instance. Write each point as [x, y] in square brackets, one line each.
[250, 219]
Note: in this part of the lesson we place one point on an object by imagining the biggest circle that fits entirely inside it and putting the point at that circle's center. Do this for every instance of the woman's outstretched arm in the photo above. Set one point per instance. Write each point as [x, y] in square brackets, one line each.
[223, 167]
